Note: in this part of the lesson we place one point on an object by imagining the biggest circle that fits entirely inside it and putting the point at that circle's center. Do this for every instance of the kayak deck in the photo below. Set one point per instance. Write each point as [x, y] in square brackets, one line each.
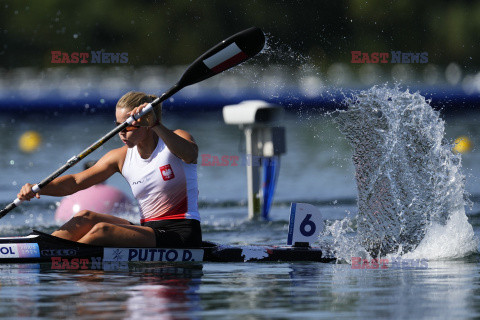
[42, 247]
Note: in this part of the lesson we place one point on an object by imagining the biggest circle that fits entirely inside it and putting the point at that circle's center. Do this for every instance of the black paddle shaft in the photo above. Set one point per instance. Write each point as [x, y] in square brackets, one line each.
[225, 55]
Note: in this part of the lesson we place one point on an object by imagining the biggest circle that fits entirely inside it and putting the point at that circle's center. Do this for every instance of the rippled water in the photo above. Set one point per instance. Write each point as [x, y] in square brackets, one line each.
[447, 289]
[317, 168]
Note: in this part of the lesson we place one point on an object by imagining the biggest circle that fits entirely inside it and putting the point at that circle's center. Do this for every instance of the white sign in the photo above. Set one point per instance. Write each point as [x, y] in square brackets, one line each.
[152, 254]
[19, 250]
[306, 223]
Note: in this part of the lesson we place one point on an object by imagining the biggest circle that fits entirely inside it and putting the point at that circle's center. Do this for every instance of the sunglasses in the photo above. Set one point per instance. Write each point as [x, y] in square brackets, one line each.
[127, 129]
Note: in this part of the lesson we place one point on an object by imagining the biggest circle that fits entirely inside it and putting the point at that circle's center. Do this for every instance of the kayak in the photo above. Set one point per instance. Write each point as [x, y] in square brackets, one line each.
[65, 254]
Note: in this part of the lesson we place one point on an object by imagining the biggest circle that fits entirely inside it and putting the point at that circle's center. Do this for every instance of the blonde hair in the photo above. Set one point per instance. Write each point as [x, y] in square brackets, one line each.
[133, 99]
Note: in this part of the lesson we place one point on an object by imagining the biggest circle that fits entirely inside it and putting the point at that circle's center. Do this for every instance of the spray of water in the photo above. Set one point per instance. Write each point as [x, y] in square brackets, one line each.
[411, 194]
[278, 70]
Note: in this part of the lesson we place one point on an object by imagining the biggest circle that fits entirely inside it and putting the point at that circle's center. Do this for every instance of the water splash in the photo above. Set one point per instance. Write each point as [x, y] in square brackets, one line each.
[411, 194]
[279, 70]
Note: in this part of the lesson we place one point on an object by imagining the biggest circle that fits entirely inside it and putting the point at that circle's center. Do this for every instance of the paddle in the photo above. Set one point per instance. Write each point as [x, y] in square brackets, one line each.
[225, 55]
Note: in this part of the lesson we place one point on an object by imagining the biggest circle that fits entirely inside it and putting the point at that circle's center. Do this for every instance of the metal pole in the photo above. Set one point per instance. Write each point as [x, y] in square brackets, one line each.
[253, 172]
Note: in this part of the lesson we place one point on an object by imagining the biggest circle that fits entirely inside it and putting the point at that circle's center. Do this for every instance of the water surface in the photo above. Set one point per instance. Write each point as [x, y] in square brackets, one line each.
[317, 168]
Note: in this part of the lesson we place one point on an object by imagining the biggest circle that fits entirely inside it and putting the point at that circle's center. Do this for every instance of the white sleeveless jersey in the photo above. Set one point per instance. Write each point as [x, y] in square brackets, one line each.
[164, 185]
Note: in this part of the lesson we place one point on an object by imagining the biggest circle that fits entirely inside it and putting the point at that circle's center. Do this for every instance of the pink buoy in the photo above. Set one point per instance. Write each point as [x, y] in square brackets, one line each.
[100, 198]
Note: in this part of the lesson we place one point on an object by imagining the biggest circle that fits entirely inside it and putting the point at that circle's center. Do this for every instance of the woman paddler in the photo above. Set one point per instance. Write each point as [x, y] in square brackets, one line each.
[160, 166]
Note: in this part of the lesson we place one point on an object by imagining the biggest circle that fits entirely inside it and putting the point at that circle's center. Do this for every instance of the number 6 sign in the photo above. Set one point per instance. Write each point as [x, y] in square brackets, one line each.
[306, 223]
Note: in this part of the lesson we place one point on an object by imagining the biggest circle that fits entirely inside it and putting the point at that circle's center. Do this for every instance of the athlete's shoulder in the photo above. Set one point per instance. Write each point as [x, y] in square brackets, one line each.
[184, 134]
[117, 154]
[115, 157]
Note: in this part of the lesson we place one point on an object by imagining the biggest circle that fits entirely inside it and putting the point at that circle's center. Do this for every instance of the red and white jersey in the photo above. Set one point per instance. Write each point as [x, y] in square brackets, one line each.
[164, 185]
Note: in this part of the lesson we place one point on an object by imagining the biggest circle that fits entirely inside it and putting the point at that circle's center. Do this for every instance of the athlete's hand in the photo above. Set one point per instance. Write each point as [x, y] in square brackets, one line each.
[148, 120]
[26, 193]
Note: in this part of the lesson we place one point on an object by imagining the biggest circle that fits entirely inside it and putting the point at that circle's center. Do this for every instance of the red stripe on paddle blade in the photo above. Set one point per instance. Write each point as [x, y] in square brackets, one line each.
[236, 59]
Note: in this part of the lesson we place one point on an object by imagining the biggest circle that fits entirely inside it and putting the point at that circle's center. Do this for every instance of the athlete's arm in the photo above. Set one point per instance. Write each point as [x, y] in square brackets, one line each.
[71, 183]
[179, 142]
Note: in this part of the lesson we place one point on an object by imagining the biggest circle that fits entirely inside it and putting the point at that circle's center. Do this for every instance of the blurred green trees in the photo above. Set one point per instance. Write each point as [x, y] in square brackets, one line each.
[175, 32]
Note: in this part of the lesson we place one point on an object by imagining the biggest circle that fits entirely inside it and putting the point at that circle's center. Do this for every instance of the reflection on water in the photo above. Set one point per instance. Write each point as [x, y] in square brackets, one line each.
[160, 292]
[243, 290]
[444, 288]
